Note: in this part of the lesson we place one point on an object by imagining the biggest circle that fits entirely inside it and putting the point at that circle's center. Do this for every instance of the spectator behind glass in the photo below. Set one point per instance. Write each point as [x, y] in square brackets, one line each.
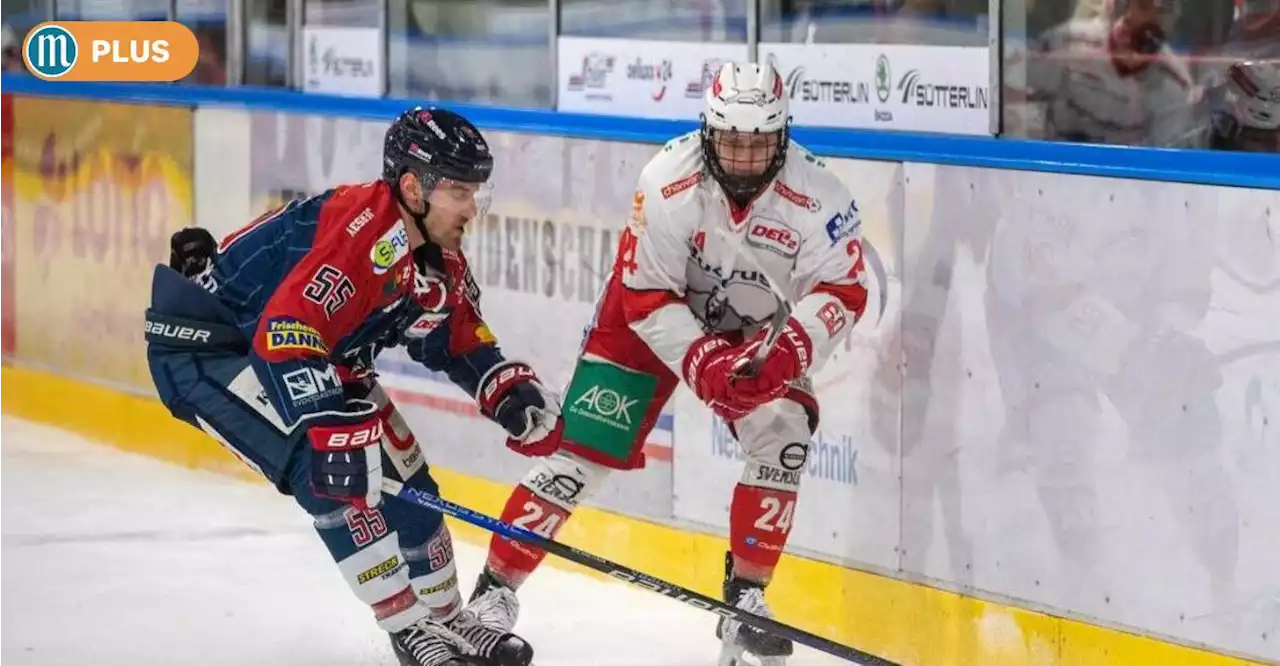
[1107, 75]
[12, 56]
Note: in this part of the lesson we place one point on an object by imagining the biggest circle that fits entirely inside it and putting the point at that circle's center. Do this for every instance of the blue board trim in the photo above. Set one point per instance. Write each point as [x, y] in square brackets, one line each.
[1188, 166]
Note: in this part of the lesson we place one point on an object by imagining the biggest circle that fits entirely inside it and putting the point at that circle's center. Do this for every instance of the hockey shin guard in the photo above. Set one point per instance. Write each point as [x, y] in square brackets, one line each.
[775, 438]
[368, 555]
[541, 503]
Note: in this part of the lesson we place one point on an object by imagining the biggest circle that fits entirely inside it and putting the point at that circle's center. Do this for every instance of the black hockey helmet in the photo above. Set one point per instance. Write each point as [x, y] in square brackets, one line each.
[434, 144]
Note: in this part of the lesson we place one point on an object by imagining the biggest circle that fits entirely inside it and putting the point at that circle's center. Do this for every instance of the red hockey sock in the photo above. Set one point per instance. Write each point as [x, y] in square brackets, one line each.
[759, 522]
[510, 560]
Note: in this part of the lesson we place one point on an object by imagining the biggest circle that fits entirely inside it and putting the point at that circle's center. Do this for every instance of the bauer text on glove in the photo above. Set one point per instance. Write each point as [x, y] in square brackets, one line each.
[512, 395]
[346, 456]
[708, 370]
[787, 361]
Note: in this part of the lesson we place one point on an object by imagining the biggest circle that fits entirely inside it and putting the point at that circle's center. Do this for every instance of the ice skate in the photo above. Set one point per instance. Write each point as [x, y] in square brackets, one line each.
[743, 645]
[427, 643]
[487, 620]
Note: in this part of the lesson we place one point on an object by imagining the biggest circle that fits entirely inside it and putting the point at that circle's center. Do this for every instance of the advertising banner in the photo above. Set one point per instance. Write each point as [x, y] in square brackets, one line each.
[96, 190]
[8, 252]
[635, 77]
[886, 86]
[342, 60]
[1089, 398]
[540, 257]
[849, 501]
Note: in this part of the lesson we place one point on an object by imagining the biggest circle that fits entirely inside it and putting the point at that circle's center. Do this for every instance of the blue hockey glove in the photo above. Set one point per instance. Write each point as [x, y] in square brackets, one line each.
[512, 395]
[346, 456]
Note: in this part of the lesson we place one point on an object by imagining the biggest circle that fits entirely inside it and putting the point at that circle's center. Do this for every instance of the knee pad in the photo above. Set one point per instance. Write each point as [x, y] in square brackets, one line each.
[368, 555]
[775, 439]
[564, 479]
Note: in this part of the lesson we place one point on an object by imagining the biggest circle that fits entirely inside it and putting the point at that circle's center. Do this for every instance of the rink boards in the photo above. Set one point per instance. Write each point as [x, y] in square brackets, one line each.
[1053, 431]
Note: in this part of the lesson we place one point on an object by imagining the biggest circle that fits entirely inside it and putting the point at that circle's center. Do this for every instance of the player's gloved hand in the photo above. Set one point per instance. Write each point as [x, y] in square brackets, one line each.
[190, 250]
[786, 362]
[512, 395]
[708, 370]
[346, 455]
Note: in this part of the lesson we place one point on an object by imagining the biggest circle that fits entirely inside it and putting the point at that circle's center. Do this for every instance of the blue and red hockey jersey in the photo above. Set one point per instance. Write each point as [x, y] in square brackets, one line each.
[322, 285]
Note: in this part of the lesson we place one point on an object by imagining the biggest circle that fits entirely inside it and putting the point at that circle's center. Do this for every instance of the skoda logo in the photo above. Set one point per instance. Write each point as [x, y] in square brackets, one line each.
[883, 78]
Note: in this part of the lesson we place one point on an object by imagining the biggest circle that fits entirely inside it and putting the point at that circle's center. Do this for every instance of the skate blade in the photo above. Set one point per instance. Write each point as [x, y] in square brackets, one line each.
[734, 655]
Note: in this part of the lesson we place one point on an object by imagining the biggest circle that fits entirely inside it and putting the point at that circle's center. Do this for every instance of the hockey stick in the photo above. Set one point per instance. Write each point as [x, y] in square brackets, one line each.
[776, 323]
[638, 578]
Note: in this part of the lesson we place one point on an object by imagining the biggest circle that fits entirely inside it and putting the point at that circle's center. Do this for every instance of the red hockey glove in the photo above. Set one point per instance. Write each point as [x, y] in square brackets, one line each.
[708, 370]
[787, 361]
[346, 456]
[512, 395]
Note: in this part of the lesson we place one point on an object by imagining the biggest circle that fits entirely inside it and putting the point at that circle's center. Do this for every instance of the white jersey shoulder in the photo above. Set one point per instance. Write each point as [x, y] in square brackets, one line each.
[804, 196]
[724, 263]
[692, 243]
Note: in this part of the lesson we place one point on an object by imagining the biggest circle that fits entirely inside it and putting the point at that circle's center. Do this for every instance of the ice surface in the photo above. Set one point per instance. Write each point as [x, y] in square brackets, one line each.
[111, 559]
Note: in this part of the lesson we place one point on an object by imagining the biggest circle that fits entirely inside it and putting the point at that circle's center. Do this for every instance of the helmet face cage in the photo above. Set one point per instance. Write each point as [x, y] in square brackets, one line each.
[743, 163]
[744, 131]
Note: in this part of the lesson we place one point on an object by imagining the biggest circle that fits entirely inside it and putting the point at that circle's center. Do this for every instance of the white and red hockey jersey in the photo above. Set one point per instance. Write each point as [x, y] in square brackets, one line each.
[690, 263]
[1090, 98]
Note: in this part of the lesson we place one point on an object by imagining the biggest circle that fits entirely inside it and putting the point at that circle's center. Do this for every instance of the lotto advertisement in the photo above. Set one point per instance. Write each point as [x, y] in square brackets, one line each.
[92, 193]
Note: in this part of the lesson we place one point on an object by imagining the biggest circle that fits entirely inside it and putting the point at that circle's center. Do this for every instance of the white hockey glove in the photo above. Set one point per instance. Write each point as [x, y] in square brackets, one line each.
[512, 395]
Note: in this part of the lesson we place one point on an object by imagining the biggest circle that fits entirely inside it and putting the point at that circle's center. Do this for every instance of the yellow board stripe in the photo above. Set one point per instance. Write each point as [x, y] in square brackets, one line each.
[909, 623]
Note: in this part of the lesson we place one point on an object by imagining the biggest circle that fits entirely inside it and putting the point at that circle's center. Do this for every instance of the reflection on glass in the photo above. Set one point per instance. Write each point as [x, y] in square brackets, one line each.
[19, 17]
[266, 58]
[487, 51]
[344, 13]
[208, 20]
[666, 20]
[1142, 72]
[113, 10]
[933, 22]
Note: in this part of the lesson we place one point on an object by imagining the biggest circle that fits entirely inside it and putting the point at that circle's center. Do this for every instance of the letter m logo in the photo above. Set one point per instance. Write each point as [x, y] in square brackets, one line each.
[53, 51]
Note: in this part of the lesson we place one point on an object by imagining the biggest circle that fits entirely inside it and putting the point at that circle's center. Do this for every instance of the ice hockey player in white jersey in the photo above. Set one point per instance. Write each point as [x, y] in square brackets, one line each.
[719, 215]
[1110, 78]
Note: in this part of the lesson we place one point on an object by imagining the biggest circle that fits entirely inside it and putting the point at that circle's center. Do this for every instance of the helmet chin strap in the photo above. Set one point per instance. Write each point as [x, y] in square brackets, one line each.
[419, 219]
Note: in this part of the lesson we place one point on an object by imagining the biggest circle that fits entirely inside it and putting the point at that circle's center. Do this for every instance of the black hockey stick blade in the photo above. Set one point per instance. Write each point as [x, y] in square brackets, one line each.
[629, 575]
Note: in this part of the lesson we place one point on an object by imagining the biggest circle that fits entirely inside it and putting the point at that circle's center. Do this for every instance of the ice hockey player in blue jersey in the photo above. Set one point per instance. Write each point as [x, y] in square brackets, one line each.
[266, 342]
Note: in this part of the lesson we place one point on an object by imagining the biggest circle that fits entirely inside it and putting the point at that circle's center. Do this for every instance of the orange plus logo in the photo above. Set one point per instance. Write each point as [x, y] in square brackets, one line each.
[110, 51]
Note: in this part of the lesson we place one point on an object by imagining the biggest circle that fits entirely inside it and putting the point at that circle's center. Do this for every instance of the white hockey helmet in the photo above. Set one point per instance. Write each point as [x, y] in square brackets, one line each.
[744, 128]
[1246, 116]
